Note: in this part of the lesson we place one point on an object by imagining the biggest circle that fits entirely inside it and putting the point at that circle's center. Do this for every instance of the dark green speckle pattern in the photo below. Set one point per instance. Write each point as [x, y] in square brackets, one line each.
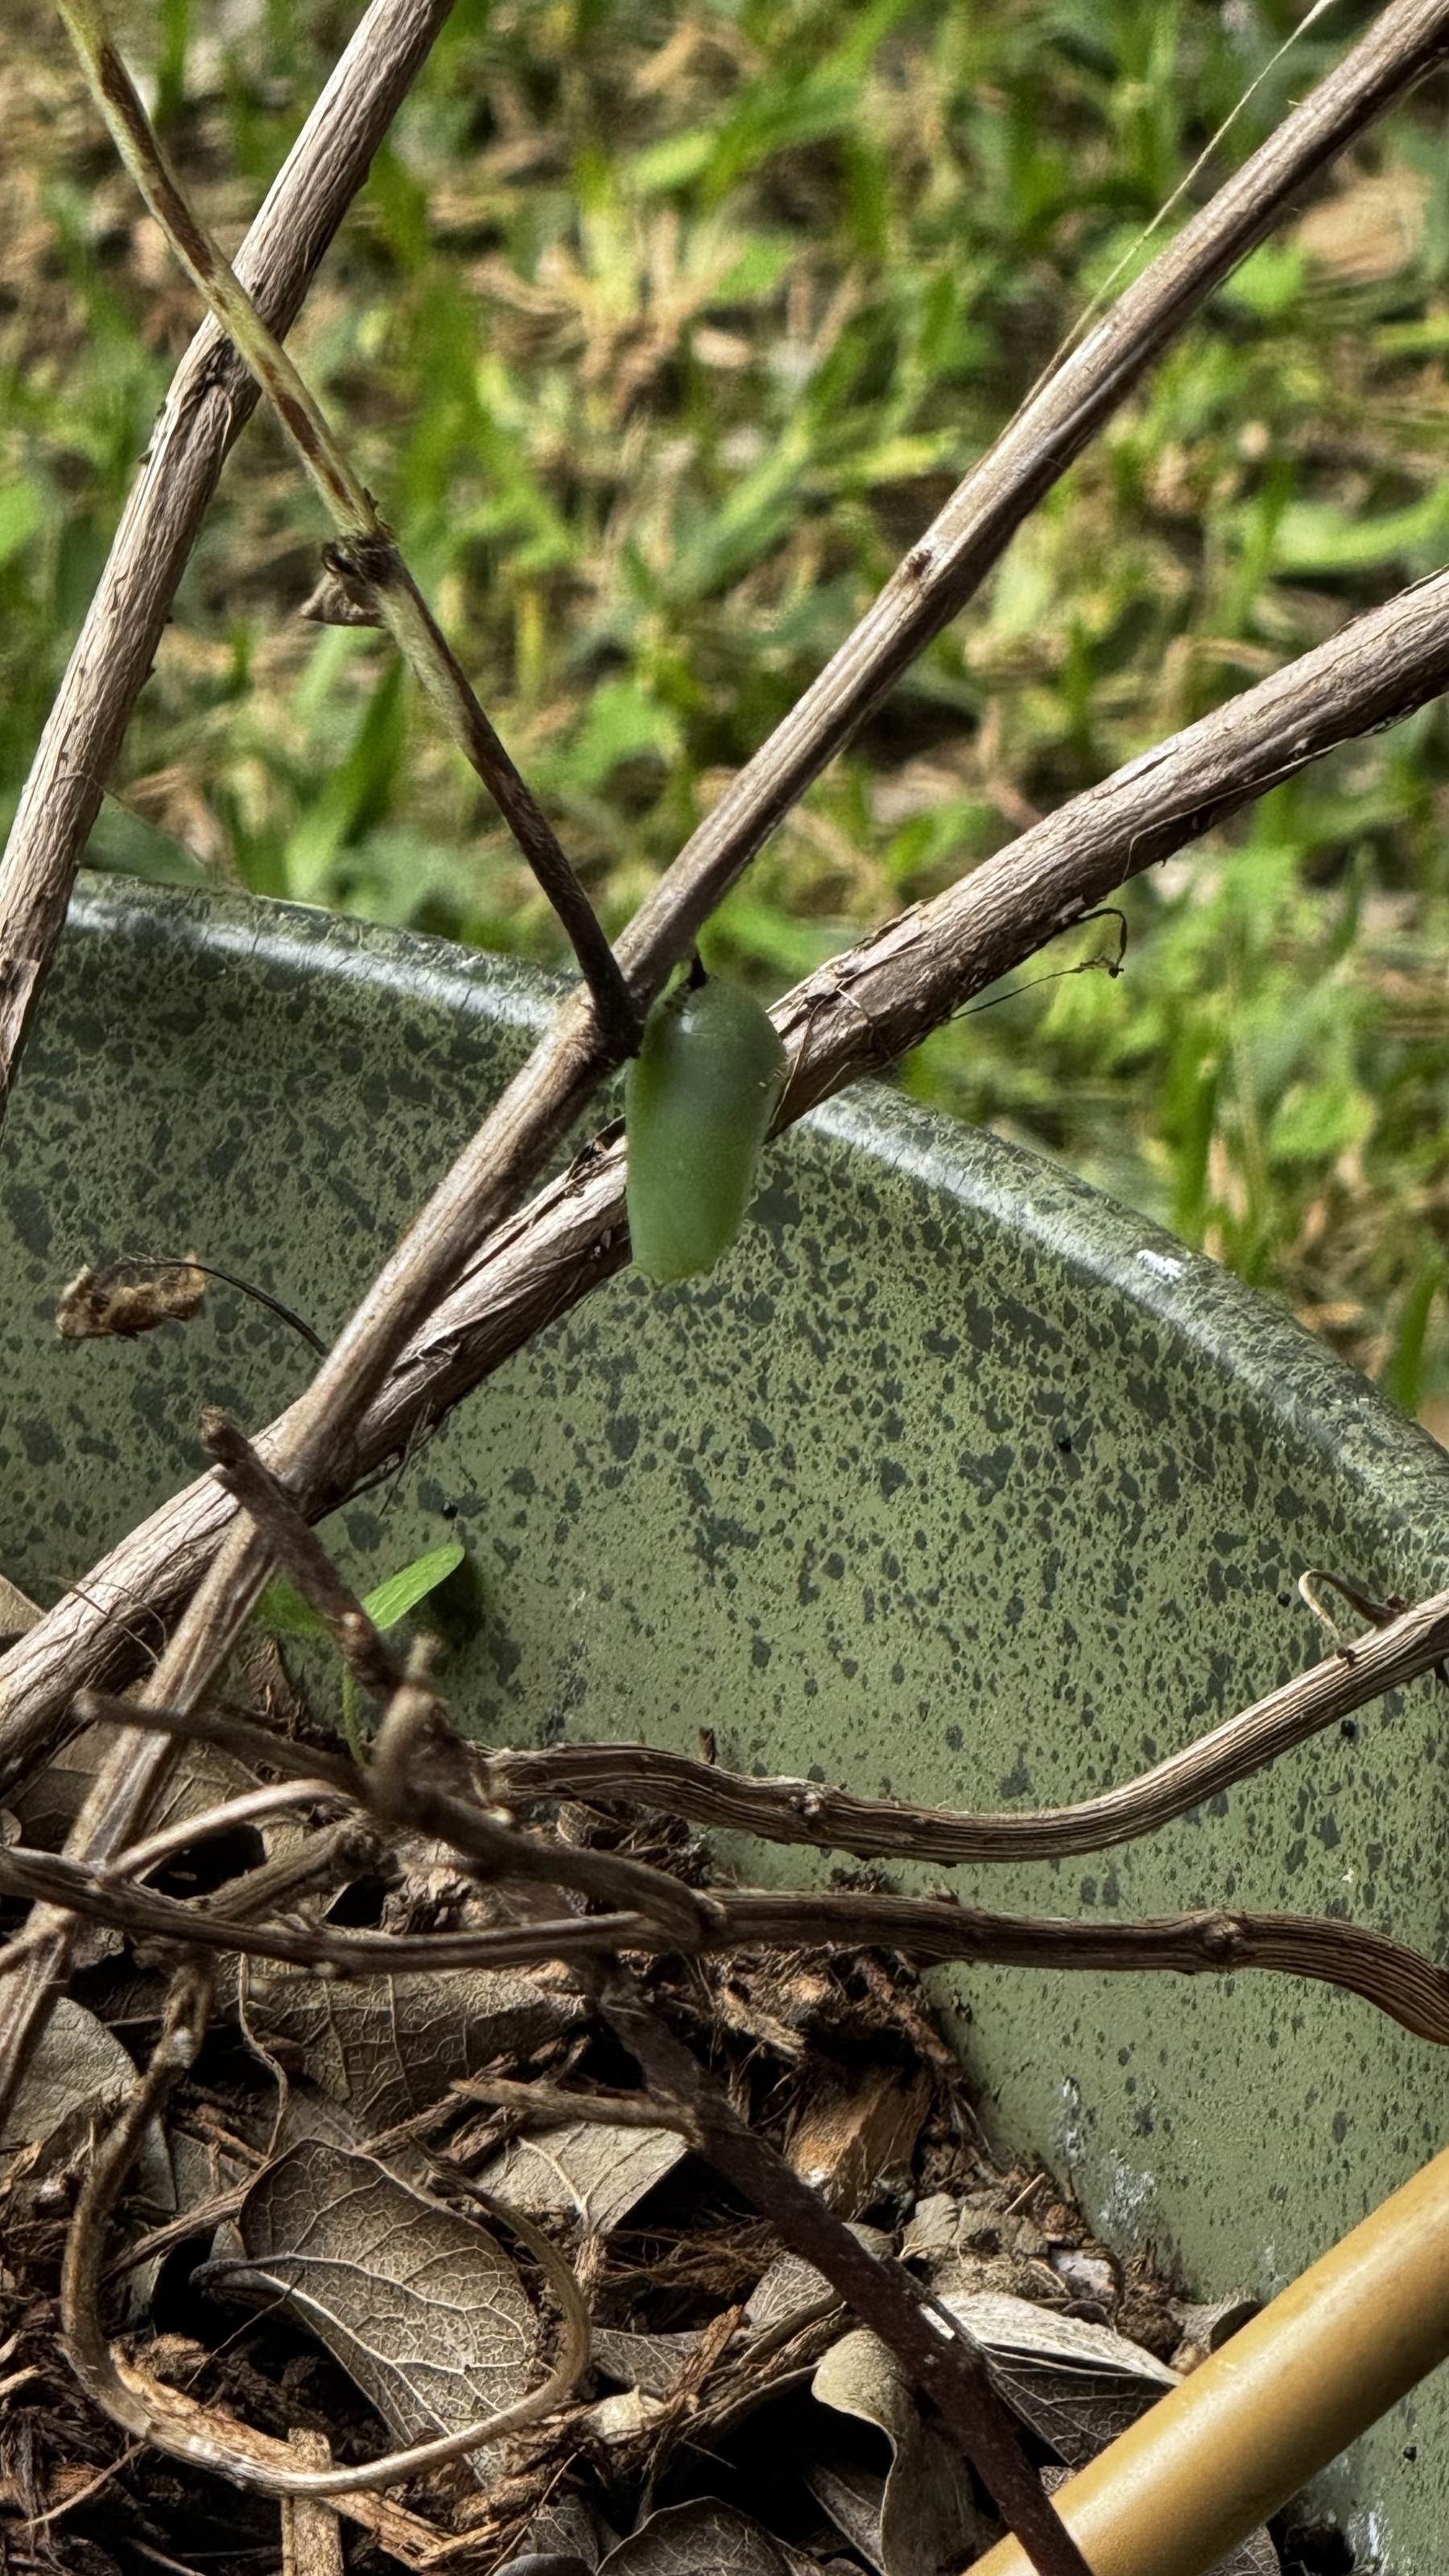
[953, 1479]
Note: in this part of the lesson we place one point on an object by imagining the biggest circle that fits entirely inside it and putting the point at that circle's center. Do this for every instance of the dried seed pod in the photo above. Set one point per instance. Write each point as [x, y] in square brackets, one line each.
[699, 1098]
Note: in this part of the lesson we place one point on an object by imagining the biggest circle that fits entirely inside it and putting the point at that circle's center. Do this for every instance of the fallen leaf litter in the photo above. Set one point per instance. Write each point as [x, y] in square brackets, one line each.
[305, 2255]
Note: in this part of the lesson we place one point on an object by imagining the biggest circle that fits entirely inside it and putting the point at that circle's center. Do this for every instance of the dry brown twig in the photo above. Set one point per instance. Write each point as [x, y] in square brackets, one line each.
[227, 1727]
[211, 399]
[549, 2102]
[800, 1811]
[320, 1431]
[861, 1011]
[928, 1931]
[413, 1744]
[364, 565]
[932, 585]
[254, 1807]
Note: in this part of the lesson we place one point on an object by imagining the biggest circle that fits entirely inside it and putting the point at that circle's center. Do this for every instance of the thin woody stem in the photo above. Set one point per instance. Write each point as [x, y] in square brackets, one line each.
[236, 1734]
[800, 1811]
[301, 1554]
[930, 1931]
[949, 2369]
[367, 554]
[346, 499]
[319, 1442]
[211, 398]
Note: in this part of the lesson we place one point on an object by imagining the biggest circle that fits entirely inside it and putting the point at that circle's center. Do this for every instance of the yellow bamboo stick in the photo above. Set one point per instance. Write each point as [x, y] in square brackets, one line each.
[1283, 2397]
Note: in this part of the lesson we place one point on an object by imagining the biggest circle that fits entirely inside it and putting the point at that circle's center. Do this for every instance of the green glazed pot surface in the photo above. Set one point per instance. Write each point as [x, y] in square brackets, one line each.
[952, 1480]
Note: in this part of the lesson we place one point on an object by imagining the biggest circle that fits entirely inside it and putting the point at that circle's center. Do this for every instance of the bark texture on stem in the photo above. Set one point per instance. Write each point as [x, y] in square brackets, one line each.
[318, 1443]
[850, 1018]
[800, 1811]
[931, 1932]
[211, 399]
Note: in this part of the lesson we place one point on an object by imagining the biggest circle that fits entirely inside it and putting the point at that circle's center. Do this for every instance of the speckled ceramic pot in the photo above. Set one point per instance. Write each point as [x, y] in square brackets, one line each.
[953, 1478]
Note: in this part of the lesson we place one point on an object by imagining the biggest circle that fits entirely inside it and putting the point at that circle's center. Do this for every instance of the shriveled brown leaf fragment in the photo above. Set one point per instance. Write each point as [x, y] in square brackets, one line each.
[650, 2363]
[1085, 2275]
[621, 2419]
[848, 2140]
[390, 2046]
[120, 1301]
[587, 2170]
[546, 2562]
[700, 2539]
[421, 2307]
[933, 2229]
[79, 2070]
[1078, 2385]
[921, 2518]
[792, 2291]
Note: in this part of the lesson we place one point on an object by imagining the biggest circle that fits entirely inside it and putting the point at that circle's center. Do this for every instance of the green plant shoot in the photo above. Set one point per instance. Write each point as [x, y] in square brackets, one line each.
[283, 1610]
[284, 1613]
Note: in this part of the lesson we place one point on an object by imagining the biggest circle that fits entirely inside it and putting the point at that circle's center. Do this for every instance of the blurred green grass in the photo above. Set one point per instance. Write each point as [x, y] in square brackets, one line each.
[660, 334]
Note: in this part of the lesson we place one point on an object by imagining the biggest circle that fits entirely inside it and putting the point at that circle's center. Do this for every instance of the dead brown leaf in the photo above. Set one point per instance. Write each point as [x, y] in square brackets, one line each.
[587, 2170]
[701, 2539]
[1077, 2385]
[921, 2518]
[421, 2307]
[121, 1301]
[78, 2070]
[650, 2363]
[391, 2046]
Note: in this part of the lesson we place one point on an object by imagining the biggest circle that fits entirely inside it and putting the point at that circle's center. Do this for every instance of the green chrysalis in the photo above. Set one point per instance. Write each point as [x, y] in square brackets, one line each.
[698, 1099]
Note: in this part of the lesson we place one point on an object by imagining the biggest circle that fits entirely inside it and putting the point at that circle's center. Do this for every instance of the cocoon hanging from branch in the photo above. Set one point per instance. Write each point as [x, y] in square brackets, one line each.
[699, 1098]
